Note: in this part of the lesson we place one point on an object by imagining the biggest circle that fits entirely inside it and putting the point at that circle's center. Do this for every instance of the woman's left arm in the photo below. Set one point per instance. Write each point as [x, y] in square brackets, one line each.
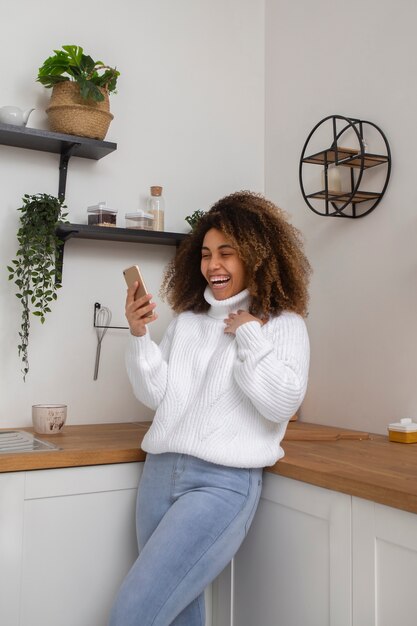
[272, 367]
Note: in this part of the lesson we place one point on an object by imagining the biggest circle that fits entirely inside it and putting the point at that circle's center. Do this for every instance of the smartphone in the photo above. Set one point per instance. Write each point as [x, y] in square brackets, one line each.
[132, 274]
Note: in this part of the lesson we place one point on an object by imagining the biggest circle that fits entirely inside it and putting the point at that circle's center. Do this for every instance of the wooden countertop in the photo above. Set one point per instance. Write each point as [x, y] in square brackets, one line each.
[90, 444]
[359, 464]
[372, 468]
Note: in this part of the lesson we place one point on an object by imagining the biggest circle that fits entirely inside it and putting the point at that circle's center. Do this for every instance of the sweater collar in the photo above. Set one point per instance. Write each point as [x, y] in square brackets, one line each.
[220, 309]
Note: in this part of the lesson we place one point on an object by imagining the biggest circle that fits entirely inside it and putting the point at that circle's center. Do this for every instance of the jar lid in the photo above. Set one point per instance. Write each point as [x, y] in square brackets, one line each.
[405, 424]
[101, 206]
[139, 214]
[156, 190]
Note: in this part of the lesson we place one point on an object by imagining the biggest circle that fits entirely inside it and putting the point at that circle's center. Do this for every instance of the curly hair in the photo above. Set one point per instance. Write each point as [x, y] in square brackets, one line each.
[271, 249]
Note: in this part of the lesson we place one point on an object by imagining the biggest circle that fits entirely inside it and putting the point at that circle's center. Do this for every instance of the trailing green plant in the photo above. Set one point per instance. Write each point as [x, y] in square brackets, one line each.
[194, 218]
[34, 270]
[72, 64]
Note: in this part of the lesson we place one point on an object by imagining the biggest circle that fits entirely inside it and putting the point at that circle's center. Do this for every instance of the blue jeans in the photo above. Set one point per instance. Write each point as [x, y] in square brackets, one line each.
[192, 517]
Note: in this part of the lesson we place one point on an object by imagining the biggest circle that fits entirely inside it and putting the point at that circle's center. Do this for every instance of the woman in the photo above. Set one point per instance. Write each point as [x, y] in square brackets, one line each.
[229, 373]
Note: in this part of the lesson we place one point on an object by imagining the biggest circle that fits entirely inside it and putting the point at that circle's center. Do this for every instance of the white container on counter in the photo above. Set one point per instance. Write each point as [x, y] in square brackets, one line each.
[140, 220]
[404, 431]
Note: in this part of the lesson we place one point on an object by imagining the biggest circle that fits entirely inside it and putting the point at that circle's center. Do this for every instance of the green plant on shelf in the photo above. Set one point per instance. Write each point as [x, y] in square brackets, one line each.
[194, 218]
[72, 64]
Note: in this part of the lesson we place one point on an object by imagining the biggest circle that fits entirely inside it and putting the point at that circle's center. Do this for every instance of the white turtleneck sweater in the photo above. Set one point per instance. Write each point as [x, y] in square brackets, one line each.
[221, 397]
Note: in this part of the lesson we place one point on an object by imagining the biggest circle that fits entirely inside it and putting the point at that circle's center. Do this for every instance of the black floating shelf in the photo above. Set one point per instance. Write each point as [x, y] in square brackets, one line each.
[110, 233]
[56, 143]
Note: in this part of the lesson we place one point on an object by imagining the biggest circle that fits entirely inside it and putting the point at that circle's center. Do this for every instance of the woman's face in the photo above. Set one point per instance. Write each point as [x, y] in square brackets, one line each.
[221, 265]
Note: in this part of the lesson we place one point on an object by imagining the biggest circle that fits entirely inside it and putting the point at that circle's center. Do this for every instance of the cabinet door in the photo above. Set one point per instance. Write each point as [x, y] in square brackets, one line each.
[79, 542]
[294, 567]
[384, 565]
[11, 527]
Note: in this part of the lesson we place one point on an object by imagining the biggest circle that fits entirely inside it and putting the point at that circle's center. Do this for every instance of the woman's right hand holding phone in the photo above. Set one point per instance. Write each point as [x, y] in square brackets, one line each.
[139, 312]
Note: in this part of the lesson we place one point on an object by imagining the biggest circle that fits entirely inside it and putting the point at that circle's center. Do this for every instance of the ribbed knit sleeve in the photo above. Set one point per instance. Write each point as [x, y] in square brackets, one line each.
[147, 366]
[272, 365]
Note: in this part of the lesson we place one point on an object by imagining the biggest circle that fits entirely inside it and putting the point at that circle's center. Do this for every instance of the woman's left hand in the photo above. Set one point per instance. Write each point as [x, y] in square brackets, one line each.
[237, 319]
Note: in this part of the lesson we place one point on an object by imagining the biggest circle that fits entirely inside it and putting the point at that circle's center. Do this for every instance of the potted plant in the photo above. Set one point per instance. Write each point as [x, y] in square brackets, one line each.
[35, 270]
[194, 218]
[80, 92]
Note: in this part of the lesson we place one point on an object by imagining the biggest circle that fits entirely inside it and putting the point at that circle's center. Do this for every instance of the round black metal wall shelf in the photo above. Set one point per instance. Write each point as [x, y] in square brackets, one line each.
[342, 195]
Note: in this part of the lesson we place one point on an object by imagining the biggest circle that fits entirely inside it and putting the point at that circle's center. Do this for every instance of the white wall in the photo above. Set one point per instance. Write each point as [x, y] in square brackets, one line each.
[357, 59]
[189, 115]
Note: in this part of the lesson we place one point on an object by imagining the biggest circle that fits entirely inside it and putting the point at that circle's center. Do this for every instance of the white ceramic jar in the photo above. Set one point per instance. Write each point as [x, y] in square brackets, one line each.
[49, 419]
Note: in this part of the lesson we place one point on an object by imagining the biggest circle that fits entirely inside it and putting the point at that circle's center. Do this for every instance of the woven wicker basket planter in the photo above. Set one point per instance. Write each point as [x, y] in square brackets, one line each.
[68, 113]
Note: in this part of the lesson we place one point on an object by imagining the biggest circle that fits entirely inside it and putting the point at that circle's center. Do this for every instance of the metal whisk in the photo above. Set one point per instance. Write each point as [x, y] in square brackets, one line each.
[102, 319]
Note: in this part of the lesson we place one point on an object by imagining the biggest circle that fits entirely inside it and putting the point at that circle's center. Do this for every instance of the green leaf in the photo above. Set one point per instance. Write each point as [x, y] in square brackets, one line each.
[87, 64]
[74, 54]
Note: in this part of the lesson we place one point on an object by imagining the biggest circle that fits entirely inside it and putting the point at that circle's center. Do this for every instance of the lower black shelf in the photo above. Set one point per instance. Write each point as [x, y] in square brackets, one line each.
[358, 196]
[110, 233]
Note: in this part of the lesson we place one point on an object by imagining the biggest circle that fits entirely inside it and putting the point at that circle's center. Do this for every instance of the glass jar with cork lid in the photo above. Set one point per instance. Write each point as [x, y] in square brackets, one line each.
[156, 207]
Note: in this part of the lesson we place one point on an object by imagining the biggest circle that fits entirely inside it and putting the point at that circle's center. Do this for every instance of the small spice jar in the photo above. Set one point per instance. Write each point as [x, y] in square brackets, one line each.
[140, 220]
[101, 215]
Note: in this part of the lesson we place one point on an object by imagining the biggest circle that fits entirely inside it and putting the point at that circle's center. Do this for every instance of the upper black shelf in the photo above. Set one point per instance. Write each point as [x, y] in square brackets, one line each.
[348, 157]
[110, 233]
[56, 143]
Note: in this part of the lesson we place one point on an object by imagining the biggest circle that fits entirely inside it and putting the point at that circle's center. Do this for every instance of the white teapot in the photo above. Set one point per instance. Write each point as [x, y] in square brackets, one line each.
[14, 115]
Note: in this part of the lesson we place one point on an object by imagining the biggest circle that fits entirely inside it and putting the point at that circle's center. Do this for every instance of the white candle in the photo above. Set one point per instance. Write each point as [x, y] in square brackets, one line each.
[334, 182]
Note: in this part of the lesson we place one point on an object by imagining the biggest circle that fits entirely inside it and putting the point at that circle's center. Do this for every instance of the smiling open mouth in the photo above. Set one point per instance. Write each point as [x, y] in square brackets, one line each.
[219, 281]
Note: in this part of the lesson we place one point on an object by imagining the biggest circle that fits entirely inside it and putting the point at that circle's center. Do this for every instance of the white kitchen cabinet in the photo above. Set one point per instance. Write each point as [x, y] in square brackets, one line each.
[384, 565]
[294, 567]
[313, 557]
[67, 541]
[11, 533]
